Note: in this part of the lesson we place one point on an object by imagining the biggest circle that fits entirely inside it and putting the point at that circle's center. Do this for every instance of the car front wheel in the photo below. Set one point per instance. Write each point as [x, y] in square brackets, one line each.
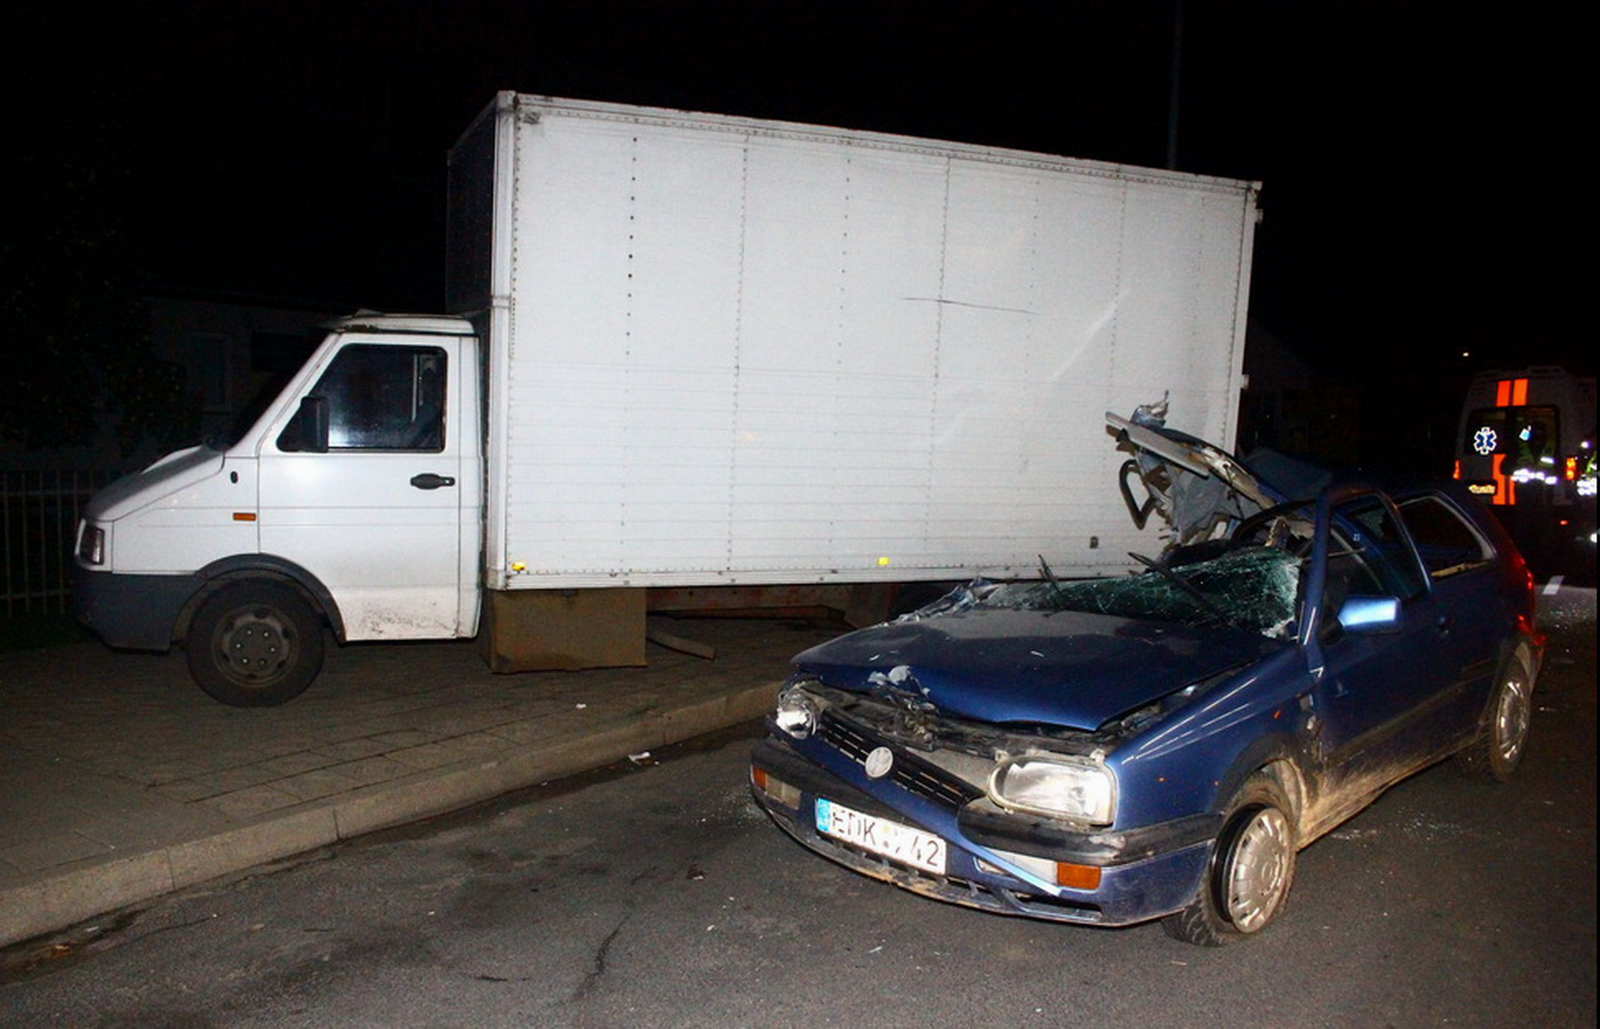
[1251, 870]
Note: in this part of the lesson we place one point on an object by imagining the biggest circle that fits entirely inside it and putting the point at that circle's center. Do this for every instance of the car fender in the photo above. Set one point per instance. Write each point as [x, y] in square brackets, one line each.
[1193, 761]
[1284, 756]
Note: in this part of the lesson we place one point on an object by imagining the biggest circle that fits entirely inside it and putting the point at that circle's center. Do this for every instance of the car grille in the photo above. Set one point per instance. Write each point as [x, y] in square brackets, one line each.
[909, 772]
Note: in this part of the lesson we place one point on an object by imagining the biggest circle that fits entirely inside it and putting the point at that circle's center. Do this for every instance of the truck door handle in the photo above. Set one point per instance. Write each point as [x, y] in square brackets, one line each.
[428, 480]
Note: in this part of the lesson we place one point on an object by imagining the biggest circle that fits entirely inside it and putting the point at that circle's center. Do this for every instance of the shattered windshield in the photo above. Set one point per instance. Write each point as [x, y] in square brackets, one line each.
[1234, 557]
[1253, 588]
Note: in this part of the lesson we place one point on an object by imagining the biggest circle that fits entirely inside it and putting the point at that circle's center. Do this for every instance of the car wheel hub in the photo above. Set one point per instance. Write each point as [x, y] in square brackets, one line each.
[1258, 872]
[1511, 720]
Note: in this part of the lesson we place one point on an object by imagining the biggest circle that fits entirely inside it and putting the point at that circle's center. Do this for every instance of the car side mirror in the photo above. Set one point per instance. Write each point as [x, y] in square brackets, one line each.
[1370, 614]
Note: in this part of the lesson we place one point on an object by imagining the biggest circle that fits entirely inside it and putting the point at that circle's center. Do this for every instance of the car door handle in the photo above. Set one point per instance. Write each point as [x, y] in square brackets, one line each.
[428, 480]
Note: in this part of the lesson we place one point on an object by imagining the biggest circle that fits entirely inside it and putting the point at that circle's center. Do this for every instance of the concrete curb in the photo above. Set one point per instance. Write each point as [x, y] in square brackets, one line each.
[64, 897]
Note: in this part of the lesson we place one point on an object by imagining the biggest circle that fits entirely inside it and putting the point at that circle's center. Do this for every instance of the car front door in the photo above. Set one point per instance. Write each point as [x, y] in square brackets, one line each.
[1380, 698]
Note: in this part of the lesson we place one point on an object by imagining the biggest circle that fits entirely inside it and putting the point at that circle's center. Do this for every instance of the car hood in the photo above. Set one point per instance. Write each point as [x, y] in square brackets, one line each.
[1060, 668]
[163, 478]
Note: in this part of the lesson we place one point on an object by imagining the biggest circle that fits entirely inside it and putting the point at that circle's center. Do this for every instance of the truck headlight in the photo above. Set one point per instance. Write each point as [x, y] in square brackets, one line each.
[91, 544]
[1079, 789]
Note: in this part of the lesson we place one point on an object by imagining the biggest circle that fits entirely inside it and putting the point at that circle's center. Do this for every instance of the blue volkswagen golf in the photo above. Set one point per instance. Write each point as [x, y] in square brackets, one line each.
[1161, 745]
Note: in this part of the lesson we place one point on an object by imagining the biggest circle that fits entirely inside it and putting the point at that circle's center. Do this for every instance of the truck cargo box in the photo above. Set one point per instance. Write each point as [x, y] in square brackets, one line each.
[729, 351]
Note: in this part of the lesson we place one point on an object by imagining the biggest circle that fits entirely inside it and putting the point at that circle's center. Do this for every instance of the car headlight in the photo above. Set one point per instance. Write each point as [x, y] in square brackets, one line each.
[797, 713]
[1080, 789]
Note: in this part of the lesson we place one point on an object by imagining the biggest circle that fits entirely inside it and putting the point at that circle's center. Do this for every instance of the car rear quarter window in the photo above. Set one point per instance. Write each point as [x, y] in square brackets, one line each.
[1446, 542]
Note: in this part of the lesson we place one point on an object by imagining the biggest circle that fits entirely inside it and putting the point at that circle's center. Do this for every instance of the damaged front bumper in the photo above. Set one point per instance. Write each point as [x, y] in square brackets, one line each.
[994, 860]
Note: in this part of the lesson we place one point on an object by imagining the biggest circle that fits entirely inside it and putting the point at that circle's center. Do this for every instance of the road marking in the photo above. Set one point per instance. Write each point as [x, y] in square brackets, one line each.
[1553, 587]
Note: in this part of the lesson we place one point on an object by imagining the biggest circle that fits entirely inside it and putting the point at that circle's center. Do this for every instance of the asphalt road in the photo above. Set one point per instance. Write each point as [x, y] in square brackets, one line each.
[656, 895]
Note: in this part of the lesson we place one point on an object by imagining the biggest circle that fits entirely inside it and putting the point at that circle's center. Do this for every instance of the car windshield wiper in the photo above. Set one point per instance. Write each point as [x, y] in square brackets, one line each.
[1055, 584]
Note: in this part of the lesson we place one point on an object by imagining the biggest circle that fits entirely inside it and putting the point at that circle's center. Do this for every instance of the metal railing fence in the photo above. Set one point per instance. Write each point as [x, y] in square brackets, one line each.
[38, 528]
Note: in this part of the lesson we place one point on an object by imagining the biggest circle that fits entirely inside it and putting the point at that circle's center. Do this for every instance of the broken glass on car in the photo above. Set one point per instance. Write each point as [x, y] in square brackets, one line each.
[1234, 558]
[1253, 588]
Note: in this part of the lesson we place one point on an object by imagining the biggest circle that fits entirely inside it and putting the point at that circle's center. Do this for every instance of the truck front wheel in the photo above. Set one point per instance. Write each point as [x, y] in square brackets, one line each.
[254, 644]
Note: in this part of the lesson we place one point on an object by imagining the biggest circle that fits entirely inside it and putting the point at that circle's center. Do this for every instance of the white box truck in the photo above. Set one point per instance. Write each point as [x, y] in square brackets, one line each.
[692, 361]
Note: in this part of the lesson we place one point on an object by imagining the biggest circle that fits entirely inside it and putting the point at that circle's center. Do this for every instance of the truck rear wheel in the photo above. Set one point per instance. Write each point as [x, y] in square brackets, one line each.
[254, 644]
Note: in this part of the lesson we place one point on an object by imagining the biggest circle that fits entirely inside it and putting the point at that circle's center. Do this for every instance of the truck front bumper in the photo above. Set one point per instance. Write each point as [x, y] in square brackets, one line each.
[132, 612]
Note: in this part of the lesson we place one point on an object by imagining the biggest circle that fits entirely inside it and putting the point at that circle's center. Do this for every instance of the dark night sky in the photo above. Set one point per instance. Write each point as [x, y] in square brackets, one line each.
[1420, 159]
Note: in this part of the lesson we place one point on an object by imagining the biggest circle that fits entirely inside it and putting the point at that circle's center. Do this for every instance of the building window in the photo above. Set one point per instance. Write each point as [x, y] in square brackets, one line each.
[208, 368]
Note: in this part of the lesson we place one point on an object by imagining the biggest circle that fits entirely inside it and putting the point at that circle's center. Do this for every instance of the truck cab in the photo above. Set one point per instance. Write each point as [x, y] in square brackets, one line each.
[353, 502]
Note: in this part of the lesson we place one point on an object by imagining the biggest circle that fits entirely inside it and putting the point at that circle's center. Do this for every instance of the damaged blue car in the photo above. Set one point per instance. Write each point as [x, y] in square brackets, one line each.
[1162, 744]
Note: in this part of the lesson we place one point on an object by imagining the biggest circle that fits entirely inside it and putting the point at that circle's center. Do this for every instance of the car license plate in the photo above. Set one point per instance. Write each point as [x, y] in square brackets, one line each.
[880, 836]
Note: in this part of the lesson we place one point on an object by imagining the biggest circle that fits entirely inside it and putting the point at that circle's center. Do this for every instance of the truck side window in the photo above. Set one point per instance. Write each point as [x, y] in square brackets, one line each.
[379, 398]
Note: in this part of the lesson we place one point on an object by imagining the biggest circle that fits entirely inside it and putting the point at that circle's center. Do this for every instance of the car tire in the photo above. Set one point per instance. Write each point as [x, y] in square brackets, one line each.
[254, 644]
[1251, 869]
[1497, 750]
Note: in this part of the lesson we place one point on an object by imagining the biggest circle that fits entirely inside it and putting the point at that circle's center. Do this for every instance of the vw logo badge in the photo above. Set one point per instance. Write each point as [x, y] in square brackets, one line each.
[879, 762]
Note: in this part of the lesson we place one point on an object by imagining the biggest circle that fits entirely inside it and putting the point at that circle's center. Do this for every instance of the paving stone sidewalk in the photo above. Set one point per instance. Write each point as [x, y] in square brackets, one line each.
[121, 781]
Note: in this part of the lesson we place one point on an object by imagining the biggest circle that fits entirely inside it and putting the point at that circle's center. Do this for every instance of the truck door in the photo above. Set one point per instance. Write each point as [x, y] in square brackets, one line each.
[362, 485]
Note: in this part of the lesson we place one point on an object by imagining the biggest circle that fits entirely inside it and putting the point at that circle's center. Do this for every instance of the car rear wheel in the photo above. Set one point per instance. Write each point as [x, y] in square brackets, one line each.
[1498, 748]
[1251, 870]
[254, 644]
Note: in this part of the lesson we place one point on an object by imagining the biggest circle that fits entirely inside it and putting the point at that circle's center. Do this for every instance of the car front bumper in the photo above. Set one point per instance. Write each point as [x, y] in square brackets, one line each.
[1143, 875]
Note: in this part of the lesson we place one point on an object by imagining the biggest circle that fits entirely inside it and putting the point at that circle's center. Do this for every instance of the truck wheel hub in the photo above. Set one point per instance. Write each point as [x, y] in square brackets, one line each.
[255, 645]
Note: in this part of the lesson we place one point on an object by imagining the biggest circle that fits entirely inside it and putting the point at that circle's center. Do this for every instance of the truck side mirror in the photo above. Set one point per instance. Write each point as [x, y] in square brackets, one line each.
[314, 413]
[307, 431]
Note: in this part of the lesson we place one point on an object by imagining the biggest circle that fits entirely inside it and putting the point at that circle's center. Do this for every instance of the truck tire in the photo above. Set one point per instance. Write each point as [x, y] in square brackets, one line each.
[254, 644]
[1251, 869]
